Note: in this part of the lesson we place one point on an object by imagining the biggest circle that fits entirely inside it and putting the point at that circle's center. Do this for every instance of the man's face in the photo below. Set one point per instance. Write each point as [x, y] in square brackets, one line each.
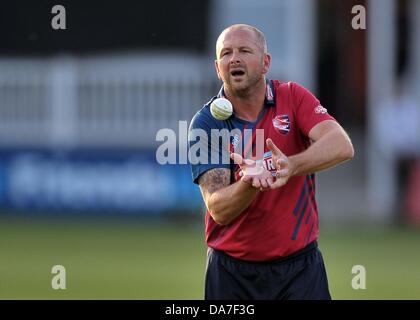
[241, 61]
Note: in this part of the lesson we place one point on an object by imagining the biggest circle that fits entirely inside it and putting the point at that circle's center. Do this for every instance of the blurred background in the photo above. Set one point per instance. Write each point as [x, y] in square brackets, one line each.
[80, 108]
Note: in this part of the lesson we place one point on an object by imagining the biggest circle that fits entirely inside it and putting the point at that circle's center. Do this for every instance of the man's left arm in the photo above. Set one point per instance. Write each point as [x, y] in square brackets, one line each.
[330, 146]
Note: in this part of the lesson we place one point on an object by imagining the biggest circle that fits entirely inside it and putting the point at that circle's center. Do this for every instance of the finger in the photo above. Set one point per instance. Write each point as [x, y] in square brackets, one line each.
[264, 183]
[256, 182]
[253, 171]
[270, 182]
[282, 173]
[277, 184]
[237, 158]
[271, 146]
[249, 162]
[247, 179]
[281, 163]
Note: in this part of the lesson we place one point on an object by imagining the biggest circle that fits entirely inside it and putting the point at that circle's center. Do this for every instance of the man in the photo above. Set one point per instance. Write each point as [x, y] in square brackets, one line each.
[262, 218]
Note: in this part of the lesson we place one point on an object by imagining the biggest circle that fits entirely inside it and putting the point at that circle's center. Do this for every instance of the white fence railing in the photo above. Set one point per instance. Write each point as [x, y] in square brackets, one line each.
[105, 101]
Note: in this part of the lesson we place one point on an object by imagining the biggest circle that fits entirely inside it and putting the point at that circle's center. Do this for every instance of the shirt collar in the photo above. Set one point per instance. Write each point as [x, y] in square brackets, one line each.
[270, 98]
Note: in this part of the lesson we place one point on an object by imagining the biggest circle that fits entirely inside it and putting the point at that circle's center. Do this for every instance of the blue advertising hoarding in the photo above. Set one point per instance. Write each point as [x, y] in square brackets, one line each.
[126, 181]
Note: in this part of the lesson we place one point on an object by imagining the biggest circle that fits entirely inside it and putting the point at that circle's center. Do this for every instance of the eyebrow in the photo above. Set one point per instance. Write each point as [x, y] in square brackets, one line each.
[230, 48]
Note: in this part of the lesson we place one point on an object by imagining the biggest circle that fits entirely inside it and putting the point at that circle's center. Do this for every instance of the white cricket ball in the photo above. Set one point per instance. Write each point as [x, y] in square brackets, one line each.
[221, 108]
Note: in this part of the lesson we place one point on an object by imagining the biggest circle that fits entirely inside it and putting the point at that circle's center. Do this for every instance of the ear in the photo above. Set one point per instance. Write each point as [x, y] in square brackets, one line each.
[216, 65]
[266, 62]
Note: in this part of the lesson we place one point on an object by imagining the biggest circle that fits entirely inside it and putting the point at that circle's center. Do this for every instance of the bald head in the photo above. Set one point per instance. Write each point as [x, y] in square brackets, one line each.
[258, 36]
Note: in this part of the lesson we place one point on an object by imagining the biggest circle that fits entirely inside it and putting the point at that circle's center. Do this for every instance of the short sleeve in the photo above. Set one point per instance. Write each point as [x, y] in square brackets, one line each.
[204, 152]
[309, 111]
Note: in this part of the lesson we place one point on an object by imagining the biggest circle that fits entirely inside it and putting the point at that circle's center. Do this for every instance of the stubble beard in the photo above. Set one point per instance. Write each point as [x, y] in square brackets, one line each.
[243, 89]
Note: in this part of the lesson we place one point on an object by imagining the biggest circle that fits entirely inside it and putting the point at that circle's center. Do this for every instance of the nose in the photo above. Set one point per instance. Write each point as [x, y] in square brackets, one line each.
[235, 58]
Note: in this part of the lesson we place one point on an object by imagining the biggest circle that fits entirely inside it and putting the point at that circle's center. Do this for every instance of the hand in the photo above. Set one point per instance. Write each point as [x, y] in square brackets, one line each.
[284, 168]
[253, 172]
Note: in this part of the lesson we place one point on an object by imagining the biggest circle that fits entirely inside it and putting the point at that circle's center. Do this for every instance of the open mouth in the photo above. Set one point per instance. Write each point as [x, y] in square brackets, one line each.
[236, 73]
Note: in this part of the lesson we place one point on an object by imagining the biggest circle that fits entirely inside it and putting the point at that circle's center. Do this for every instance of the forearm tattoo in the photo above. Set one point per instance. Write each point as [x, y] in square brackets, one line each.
[214, 180]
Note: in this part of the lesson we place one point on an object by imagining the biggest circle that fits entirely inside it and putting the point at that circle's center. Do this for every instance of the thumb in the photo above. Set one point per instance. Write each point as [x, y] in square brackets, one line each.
[271, 146]
[239, 160]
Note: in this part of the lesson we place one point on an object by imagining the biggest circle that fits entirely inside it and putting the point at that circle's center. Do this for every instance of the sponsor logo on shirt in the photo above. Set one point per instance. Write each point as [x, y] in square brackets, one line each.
[234, 141]
[320, 110]
[282, 123]
[268, 163]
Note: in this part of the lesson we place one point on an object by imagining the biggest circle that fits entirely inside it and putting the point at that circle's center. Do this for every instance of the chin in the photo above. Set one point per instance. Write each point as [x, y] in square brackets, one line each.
[240, 86]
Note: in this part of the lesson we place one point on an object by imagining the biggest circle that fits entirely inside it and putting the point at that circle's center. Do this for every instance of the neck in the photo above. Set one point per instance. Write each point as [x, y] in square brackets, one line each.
[248, 106]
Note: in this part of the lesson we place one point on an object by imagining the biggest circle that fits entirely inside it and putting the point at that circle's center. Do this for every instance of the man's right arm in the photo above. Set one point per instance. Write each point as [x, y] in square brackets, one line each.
[225, 201]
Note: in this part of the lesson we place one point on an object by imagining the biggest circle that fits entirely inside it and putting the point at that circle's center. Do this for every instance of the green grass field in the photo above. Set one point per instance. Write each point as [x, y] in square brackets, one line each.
[143, 260]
